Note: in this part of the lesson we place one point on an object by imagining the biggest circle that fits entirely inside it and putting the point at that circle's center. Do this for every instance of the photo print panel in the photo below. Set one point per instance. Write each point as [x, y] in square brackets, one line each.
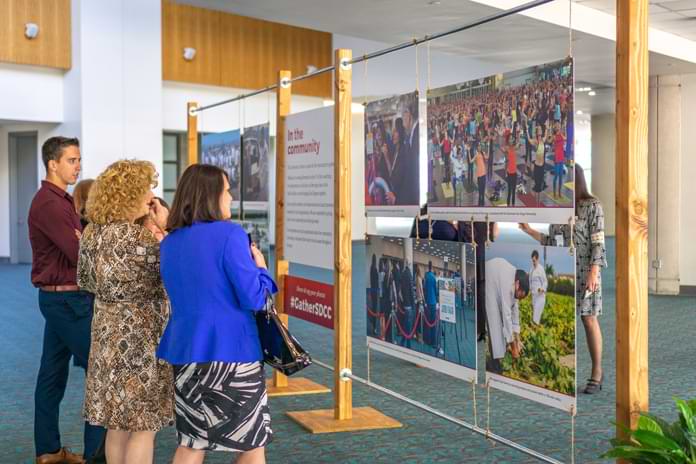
[257, 225]
[421, 303]
[392, 153]
[224, 150]
[256, 168]
[503, 146]
[530, 314]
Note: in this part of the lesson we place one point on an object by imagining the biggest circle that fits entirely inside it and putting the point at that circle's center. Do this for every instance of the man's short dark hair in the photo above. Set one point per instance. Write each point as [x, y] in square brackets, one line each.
[52, 148]
[522, 280]
[535, 254]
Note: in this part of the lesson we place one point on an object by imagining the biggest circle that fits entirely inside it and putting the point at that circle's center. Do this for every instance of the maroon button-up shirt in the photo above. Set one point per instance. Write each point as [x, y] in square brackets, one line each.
[52, 224]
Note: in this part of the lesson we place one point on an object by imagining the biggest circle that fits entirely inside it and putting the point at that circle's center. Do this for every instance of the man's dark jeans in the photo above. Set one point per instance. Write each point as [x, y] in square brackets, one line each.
[68, 318]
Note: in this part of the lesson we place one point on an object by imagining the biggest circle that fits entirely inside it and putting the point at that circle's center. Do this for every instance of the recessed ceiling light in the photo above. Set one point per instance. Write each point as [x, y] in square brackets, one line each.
[579, 112]
[434, 2]
[592, 93]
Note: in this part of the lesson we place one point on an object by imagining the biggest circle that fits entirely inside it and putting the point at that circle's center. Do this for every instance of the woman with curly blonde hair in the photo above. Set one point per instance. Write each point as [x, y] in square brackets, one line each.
[128, 390]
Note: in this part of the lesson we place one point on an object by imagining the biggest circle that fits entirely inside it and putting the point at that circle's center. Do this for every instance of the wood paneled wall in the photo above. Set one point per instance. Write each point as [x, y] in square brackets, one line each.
[51, 48]
[241, 52]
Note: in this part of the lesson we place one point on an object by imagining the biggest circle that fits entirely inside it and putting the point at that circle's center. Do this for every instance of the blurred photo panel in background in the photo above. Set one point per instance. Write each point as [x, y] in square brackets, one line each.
[421, 302]
[392, 151]
[502, 146]
[255, 168]
[225, 151]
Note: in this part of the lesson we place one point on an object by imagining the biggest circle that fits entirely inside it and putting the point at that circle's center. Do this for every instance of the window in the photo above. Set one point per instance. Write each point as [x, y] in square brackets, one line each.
[173, 163]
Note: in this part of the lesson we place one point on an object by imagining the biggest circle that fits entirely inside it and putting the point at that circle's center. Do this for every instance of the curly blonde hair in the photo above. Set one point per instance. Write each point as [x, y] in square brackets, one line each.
[118, 191]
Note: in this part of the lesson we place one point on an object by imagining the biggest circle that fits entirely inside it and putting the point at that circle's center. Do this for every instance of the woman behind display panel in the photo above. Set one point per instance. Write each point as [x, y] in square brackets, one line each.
[216, 280]
[128, 390]
[590, 257]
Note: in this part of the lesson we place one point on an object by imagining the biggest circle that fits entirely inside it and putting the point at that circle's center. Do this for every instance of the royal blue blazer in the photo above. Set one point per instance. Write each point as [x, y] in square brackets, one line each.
[215, 288]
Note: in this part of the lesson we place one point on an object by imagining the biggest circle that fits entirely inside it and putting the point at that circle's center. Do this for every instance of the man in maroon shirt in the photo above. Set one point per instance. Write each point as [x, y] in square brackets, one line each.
[54, 231]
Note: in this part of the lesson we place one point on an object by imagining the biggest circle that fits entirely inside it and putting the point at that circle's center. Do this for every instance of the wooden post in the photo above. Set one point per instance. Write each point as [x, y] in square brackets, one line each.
[192, 129]
[343, 256]
[343, 417]
[280, 385]
[283, 99]
[631, 211]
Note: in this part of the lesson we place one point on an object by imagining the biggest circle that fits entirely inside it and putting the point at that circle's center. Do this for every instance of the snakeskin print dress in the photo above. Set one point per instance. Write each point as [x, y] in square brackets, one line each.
[127, 387]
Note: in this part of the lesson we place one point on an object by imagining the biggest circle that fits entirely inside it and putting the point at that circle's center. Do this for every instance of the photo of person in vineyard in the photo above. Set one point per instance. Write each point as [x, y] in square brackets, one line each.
[392, 151]
[504, 140]
[530, 312]
[419, 298]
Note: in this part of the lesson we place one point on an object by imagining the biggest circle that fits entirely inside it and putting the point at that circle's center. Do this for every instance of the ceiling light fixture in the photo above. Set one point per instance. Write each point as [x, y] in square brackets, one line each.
[579, 112]
[592, 93]
[434, 2]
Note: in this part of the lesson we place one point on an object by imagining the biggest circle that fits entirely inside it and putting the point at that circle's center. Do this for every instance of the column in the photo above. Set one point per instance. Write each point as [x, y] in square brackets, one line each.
[664, 184]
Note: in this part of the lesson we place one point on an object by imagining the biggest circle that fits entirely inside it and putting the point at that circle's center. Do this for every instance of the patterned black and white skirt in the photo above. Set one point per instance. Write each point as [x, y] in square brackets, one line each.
[222, 406]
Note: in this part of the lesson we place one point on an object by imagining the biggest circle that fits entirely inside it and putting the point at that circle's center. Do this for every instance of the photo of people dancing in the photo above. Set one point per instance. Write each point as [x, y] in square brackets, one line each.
[504, 140]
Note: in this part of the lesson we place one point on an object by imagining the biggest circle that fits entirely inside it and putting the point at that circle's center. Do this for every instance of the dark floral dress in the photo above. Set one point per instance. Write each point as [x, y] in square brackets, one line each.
[127, 387]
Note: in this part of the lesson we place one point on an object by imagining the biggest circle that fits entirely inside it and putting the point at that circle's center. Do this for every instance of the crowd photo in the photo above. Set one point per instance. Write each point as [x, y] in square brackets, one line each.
[224, 150]
[392, 151]
[504, 140]
[420, 296]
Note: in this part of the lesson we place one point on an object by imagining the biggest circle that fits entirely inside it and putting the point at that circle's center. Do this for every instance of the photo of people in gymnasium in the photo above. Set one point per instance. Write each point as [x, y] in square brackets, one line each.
[255, 165]
[503, 140]
[421, 297]
[224, 150]
[392, 151]
[530, 315]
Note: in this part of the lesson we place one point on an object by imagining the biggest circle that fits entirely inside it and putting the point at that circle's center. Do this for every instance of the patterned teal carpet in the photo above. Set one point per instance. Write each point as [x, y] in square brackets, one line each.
[424, 437]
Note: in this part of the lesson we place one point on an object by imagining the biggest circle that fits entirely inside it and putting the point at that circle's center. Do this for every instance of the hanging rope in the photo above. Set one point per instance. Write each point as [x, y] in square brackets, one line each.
[488, 410]
[571, 228]
[473, 238]
[570, 28]
[415, 41]
[367, 221]
[428, 45]
[488, 232]
[473, 391]
[572, 434]
[430, 228]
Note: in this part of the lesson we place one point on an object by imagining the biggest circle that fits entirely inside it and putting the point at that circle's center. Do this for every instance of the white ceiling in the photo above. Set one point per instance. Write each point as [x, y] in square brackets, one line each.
[512, 43]
[675, 16]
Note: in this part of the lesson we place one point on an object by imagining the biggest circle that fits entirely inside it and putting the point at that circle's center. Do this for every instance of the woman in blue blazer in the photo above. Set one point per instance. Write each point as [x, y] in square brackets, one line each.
[216, 280]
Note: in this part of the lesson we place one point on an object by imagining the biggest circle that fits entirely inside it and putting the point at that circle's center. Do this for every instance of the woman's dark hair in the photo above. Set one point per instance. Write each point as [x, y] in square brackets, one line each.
[197, 197]
[535, 254]
[399, 126]
[581, 190]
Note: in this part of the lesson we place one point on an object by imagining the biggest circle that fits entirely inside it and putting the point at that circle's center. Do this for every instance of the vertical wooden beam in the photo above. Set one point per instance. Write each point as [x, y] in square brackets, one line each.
[192, 129]
[283, 100]
[343, 266]
[631, 211]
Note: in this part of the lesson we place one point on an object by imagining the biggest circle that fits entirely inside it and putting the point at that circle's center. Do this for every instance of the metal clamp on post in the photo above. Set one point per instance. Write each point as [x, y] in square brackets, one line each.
[345, 64]
[345, 374]
[193, 111]
[285, 82]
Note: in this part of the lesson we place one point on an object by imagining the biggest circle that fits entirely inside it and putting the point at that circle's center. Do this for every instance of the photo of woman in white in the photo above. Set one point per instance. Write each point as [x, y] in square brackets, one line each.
[538, 283]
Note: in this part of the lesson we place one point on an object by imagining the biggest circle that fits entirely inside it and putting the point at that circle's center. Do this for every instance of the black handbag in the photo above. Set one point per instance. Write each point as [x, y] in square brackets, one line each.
[281, 350]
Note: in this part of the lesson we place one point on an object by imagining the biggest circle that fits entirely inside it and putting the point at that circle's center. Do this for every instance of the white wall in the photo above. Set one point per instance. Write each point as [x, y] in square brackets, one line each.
[687, 268]
[604, 168]
[29, 93]
[118, 81]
